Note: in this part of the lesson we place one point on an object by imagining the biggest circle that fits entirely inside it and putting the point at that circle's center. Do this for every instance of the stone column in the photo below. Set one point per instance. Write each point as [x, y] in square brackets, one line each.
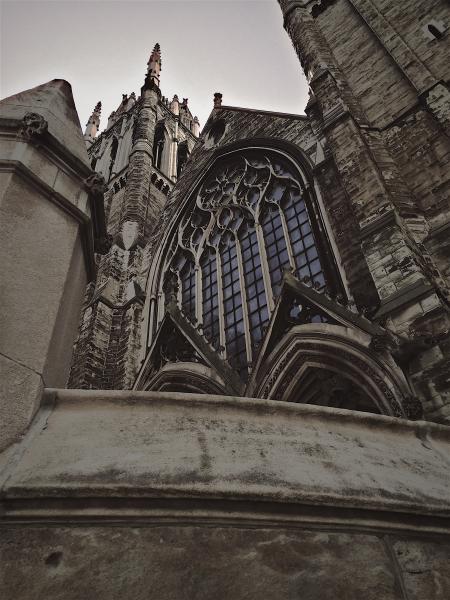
[51, 213]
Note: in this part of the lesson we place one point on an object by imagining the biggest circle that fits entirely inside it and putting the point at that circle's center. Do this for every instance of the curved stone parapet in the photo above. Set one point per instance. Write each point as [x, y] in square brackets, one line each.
[189, 496]
[122, 444]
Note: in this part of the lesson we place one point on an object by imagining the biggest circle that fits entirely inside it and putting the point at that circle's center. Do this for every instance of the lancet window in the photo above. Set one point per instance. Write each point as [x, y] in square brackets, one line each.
[252, 218]
[158, 145]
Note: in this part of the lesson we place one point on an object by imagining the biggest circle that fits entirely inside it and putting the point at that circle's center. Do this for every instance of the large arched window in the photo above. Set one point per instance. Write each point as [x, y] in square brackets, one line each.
[252, 218]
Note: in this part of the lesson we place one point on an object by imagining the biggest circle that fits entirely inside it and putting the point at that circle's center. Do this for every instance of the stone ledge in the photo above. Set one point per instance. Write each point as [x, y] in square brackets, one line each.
[124, 446]
[413, 293]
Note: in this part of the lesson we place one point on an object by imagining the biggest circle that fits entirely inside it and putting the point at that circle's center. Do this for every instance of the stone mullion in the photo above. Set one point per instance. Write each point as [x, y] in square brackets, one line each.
[248, 343]
[265, 268]
[287, 239]
[220, 303]
[198, 292]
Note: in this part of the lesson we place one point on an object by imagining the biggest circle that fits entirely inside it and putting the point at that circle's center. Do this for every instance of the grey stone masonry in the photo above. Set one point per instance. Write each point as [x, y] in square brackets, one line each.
[382, 109]
[107, 350]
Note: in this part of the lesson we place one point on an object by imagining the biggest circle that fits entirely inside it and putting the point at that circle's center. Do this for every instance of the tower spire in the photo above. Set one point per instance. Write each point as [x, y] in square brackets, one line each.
[154, 65]
[93, 125]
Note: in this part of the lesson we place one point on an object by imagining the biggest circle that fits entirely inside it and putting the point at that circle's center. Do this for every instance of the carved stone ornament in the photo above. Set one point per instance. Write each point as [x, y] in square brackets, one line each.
[383, 342]
[287, 369]
[170, 286]
[413, 407]
[95, 184]
[34, 125]
[103, 244]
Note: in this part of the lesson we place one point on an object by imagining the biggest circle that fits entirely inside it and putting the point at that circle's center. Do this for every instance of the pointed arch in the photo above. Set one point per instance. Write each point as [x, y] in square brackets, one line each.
[186, 377]
[244, 266]
[332, 365]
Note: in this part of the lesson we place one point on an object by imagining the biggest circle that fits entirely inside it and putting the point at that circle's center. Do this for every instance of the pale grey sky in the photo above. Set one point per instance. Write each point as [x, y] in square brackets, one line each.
[237, 47]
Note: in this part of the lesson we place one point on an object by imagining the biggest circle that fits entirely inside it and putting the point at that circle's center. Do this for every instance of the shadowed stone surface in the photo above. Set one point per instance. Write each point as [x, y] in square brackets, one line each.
[20, 387]
[162, 563]
[46, 257]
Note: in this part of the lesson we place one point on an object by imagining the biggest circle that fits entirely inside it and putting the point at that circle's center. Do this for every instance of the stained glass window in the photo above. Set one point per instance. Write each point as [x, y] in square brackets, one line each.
[251, 219]
[254, 285]
[232, 306]
[188, 289]
[210, 297]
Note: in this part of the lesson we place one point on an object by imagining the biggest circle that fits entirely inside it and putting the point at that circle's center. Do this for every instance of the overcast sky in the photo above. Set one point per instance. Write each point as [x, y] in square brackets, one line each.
[101, 47]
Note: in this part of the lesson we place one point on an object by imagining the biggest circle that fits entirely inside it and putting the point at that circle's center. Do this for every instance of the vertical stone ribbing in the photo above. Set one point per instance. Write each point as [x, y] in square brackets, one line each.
[134, 207]
[435, 94]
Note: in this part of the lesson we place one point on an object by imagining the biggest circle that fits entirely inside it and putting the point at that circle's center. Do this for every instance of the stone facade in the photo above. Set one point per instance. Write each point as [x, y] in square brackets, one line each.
[379, 99]
[375, 143]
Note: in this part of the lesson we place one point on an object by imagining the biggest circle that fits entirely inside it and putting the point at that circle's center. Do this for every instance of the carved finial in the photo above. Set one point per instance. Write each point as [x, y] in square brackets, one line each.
[154, 66]
[175, 105]
[95, 184]
[93, 124]
[217, 100]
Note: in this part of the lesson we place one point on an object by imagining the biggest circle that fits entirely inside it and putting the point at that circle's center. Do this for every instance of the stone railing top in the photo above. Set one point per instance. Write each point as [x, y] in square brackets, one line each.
[121, 444]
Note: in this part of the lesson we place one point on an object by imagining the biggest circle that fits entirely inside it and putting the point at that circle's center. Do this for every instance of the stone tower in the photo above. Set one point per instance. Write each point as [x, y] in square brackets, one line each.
[140, 154]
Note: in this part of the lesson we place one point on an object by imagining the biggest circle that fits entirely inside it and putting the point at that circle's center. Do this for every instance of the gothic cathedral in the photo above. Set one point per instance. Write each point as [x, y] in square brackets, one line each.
[258, 396]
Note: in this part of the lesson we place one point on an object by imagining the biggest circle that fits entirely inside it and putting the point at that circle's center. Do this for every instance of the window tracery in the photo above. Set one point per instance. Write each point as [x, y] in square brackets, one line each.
[252, 218]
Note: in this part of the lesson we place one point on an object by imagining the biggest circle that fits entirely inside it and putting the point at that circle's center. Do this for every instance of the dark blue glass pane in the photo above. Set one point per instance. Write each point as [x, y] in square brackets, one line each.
[302, 240]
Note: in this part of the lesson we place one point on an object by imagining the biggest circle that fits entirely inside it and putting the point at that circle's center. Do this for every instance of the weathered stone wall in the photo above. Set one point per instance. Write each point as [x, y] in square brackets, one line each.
[379, 100]
[159, 562]
[374, 140]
